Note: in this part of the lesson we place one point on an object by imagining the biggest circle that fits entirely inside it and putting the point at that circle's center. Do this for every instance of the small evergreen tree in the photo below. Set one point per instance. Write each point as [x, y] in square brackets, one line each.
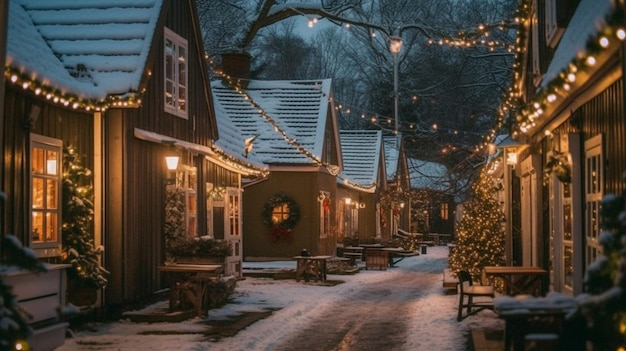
[78, 244]
[480, 235]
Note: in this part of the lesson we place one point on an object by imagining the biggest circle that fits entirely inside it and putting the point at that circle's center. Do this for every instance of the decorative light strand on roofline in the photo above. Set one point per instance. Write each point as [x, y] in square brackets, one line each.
[528, 115]
[334, 170]
[357, 186]
[66, 99]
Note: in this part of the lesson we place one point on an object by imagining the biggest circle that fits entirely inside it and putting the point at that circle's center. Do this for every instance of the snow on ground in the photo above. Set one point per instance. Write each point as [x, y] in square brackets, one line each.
[433, 324]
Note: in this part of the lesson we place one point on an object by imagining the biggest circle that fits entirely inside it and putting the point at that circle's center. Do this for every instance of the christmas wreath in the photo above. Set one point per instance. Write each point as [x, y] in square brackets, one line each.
[280, 213]
[559, 165]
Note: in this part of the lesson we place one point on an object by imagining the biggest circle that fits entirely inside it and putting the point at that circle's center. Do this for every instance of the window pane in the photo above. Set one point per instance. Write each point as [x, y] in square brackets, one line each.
[38, 161]
[38, 192]
[51, 194]
[169, 93]
[37, 231]
[182, 99]
[52, 162]
[51, 219]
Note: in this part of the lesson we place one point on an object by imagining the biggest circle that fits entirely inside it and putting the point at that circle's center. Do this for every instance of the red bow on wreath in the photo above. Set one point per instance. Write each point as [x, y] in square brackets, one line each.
[278, 232]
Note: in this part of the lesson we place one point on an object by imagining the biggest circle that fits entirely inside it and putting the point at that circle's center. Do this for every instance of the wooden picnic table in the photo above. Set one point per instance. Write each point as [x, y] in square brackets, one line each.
[525, 280]
[311, 267]
[189, 283]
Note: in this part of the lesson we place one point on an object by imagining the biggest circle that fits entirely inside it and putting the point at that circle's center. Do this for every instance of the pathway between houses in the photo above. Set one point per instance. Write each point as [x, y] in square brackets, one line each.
[402, 308]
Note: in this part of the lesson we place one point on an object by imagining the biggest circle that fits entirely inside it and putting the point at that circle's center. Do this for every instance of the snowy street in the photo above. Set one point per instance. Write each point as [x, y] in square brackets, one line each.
[402, 308]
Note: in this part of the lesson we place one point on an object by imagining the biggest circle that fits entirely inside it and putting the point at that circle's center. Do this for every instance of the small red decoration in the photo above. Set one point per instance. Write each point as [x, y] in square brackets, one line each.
[326, 205]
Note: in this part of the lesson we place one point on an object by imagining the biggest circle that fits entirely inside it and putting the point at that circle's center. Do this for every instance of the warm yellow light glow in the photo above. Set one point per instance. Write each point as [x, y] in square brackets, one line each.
[172, 162]
[395, 44]
[621, 34]
[347, 200]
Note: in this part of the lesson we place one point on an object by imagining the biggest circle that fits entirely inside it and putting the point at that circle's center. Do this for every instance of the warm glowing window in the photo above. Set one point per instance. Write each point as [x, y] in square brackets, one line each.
[280, 213]
[444, 211]
[175, 74]
[45, 180]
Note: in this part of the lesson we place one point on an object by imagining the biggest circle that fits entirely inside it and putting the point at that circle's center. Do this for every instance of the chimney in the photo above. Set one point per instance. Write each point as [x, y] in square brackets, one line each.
[237, 65]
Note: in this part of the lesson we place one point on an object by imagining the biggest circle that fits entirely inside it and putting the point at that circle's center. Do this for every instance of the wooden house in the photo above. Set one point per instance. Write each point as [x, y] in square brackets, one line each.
[395, 208]
[291, 128]
[125, 83]
[433, 203]
[360, 183]
[569, 132]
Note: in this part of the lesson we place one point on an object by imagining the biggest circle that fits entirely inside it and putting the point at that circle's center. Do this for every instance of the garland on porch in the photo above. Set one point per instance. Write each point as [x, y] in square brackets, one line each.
[281, 229]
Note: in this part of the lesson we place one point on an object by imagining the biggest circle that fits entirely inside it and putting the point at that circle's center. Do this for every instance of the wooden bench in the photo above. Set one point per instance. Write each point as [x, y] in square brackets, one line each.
[450, 280]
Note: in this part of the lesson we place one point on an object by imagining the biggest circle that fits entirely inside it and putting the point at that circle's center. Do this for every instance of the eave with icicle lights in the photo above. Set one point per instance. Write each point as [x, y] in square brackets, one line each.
[69, 100]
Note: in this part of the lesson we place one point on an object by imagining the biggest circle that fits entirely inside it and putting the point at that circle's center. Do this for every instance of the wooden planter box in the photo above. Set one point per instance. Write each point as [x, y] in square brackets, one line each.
[41, 295]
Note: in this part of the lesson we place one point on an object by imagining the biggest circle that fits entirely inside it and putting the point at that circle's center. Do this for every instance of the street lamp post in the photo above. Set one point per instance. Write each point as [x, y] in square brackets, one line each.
[395, 44]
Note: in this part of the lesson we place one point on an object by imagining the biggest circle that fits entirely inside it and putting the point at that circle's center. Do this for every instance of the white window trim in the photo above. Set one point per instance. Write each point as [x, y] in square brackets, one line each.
[553, 31]
[179, 42]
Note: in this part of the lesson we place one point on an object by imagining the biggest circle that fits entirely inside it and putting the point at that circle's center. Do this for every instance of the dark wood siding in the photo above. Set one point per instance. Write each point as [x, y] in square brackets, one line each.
[136, 168]
[73, 127]
[604, 114]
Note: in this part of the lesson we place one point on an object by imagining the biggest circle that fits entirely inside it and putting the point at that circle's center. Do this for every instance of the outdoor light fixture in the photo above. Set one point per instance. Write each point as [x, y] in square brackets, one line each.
[172, 162]
[171, 157]
[395, 44]
[348, 200]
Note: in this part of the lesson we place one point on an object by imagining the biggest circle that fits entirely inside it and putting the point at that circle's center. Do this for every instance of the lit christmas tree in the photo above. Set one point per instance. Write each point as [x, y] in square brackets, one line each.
[78, 244]
[480, 235]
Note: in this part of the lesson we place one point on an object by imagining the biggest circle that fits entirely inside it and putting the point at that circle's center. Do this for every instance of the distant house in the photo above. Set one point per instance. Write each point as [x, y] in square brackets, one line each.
[125, 83]
[434, 204]
[570, 135]
[290, 128]
[360, 183]
[395, 209]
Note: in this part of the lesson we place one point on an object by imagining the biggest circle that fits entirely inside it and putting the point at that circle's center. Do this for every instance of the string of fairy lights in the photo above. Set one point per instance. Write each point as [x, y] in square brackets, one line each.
[527, 115]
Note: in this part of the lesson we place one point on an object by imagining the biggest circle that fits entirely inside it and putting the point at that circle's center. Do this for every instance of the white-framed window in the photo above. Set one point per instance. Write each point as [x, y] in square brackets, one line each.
[553, 31]
[594, 190]
[536, 62]
[176, 75]
[45, 182]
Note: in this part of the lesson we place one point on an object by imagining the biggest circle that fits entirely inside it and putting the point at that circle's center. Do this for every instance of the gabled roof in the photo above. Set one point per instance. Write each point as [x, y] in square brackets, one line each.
[392, 155]
[361, 153]
[287, 119]
[428, 175]
[86, 50]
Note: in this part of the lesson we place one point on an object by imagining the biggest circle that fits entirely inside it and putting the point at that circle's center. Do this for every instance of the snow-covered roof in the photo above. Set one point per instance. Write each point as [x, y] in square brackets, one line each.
[392, 155]
[428, 175]
[88, 49]
[287, 119]
[361, 153]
